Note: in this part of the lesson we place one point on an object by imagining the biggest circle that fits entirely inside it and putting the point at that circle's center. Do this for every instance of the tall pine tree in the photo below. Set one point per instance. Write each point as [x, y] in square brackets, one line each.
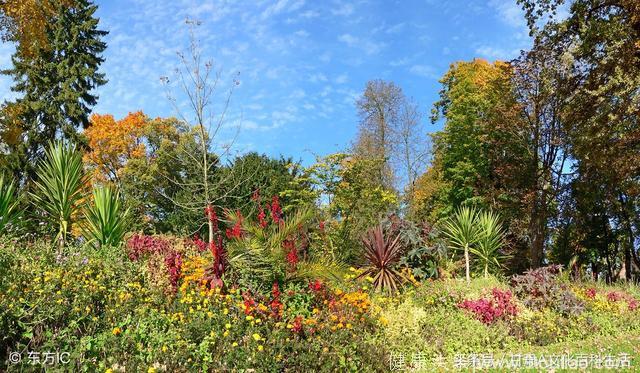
[56, 83]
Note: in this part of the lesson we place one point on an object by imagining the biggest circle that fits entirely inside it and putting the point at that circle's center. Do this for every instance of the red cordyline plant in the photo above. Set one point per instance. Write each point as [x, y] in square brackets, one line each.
[382, 253]
[488, 310]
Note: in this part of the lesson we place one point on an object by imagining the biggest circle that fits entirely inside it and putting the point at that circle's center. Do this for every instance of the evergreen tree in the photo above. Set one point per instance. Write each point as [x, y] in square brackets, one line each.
[56, 83]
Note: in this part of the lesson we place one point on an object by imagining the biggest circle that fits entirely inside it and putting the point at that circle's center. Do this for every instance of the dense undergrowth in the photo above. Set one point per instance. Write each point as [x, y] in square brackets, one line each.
[112, 313]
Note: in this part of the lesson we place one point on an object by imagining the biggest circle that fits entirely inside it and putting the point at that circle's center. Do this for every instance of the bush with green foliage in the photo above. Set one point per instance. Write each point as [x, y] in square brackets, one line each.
[9, 203]
[59, 190]
[105, 223]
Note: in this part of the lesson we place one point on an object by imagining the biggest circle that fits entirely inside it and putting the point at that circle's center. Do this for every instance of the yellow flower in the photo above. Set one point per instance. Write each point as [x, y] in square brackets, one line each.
[164, 348]
[256, 336]
[226, 333]
[108, 370]
[116, 331]
[260, 348]
[225, 311]
[151, 370]
[234, 344]
[227, 325]
[249, 318]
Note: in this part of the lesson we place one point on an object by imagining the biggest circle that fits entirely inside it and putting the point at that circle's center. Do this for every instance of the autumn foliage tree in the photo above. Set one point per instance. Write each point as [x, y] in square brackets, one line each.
[113, 142]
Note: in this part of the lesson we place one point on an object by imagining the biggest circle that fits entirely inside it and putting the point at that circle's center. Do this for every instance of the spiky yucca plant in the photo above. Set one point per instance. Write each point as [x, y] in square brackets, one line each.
[490, 240]
[462, 231]
[8, 204]
[477, 233]
[59, 190]
[382, 253]
[105, 222]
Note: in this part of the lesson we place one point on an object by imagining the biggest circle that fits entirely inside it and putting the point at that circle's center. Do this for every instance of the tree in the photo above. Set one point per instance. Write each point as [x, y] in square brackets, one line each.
[199, 82]
[25, 22]
[56, 81]
[112, 143]
[253, 172]
[483, 155]
[537, 78]
[599, 46]
[390, 130]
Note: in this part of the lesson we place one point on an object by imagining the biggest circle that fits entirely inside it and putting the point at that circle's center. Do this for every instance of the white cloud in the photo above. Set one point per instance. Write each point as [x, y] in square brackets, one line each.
[368, 46]
[497, 53]
[344, 10]
[423, 71]
[342, 78]
[281, 6]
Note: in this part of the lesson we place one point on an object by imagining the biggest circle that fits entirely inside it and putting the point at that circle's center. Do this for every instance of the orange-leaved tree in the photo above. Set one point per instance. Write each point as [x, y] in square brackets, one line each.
[113, 142]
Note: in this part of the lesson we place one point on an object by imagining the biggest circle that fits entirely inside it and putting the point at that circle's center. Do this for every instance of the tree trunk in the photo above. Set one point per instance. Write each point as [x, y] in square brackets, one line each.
[466, 263]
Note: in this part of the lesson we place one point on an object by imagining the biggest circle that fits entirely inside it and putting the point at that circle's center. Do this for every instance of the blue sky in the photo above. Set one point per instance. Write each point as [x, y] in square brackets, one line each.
[302, 64]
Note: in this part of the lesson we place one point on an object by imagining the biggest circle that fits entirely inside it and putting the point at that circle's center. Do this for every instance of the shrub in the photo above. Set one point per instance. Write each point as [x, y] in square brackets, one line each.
[60, 187]
[9, 212]
[105, 222]
[540, 288]
[499, 306]
[382, 252]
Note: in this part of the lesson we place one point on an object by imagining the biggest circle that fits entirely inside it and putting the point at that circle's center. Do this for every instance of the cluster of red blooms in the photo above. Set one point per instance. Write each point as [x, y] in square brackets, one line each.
[500, 306]
[316, 286]
[217, 250]
[211, 215]
[632, 303]
[591, 293]
[200, 244]
[173, 261]
[292, 252]
[297, 324]
[139, 245]
[274, 209]
[275, 304]
[236, 230]
[249, 302]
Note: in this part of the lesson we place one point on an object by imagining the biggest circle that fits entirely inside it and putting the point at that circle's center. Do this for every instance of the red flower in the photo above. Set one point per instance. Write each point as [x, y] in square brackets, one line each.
[614, 296]
[321, 226]
[292, 252]
[275, 304]
[199, 243]
[262, 217]
[297, 324]
[276, 210]
[173, 261]
[236, 230]
[591, 293]
[316, 285]
[249, 303]
[210, 213]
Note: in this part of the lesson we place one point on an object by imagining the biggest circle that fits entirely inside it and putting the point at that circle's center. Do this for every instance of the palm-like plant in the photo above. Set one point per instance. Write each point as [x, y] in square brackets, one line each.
[382, 253]
[462, 231]
[259, 255]
[8, 204]
[490, 240]
[59, 188]
[105, 222]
